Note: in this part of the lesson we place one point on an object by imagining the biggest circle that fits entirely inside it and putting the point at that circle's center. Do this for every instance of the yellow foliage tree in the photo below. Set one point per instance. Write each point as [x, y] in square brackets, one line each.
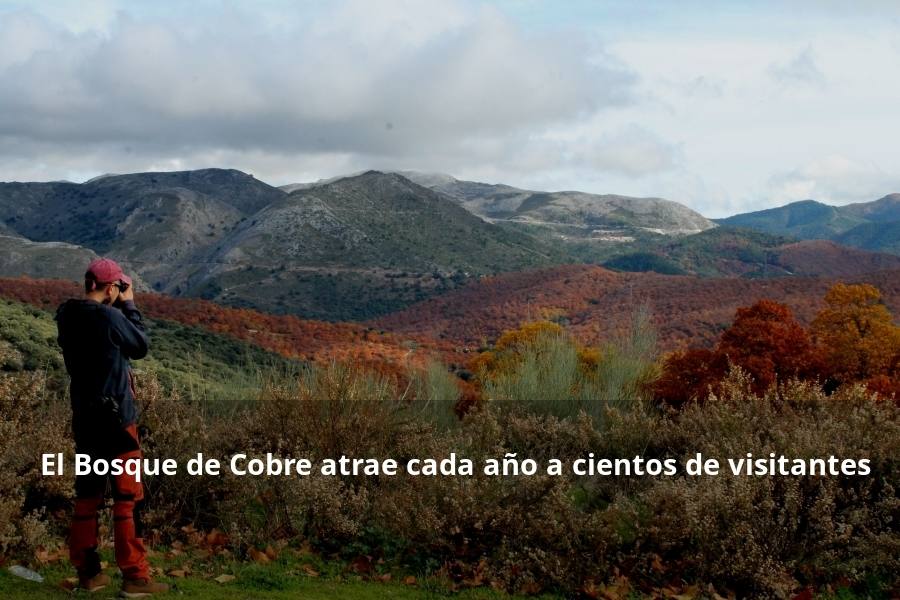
[527, 334]
[860, 338]
[511, 344]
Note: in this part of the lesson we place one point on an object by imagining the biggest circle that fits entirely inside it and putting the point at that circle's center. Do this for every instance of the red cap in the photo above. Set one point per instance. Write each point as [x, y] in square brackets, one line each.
[105, 270]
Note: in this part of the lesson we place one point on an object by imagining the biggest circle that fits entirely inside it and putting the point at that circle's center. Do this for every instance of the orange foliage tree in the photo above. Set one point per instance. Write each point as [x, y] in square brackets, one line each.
[689, 374]
[861, 341]
[765, 340]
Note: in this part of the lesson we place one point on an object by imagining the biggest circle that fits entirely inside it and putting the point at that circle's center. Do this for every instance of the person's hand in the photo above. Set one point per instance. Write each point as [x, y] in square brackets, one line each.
[127, 294]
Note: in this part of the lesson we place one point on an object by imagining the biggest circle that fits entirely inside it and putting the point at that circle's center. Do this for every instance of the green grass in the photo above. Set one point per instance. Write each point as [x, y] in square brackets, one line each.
[213, 369]
[282, 579]
[27, 338]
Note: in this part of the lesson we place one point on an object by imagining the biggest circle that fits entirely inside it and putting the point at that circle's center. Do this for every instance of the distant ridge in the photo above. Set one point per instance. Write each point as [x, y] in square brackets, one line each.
[53, 260]
[868, 225]
[567, 212]
[377, 240]
[356, 247]
[734, 252]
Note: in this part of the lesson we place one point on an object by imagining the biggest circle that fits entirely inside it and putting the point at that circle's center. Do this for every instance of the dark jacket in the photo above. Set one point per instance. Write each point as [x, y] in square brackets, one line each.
[97, 343]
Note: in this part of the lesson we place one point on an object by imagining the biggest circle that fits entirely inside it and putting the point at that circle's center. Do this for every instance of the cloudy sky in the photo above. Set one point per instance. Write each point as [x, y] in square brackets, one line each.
[723, 106]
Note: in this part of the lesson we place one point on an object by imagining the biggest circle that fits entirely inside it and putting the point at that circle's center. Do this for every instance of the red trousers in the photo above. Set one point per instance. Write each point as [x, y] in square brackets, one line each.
[127, 493]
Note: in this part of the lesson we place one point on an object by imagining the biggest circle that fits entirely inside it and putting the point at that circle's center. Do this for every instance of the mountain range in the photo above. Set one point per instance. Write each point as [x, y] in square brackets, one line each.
[570, 212]
[369, 244]
[868, 225]
[587, 226]
[734, 252]
[352, 248]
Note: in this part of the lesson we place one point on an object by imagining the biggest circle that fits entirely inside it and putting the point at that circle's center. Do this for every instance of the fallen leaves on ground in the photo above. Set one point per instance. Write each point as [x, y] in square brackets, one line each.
[47, 556]
[69, 583]
[361, 565]
[258, 556]
[216, 538]
[617, 590]
[806, 594]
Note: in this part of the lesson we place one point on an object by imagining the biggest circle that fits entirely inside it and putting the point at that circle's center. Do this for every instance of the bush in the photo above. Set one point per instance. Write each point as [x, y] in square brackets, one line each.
[545, 378]
[541, 369]
[753, 536]
[752, 531]
[31, 424]
[435, 395]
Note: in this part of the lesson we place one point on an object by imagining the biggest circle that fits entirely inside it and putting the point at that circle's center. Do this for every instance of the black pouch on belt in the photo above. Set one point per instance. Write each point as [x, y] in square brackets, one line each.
[104, 431]
[105, 410]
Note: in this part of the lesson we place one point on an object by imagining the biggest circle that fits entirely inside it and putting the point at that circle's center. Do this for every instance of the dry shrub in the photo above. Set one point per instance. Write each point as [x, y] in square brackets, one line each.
[174, 427]
[544, 437]
[763, 534]
[329, 412]
[328, 511]
[32, 422]
[436, 394]
[757, 536]
[326, 412]
[520, 530]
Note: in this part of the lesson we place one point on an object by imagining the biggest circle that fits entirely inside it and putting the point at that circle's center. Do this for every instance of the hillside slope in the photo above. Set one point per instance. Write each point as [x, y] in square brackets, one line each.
[378, 219]
[288, 336]
[201, 363]
[52, 260]
[733, 252]
[596, 302]
[882, 210]
[357, 247]
[571, 209]
[159, 224]
[823, 257]
[884, 237]
[868, 225]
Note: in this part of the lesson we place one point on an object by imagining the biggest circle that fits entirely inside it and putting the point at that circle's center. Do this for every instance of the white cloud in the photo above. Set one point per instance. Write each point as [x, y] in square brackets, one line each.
[407, 79]
[834, 180]
[801, 69]
[737, 143]
[631, 151]
[77, 16]
[724, 108]
[22, 35]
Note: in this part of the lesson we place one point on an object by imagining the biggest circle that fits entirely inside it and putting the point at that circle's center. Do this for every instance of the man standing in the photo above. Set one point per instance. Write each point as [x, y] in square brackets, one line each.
[99, 334]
